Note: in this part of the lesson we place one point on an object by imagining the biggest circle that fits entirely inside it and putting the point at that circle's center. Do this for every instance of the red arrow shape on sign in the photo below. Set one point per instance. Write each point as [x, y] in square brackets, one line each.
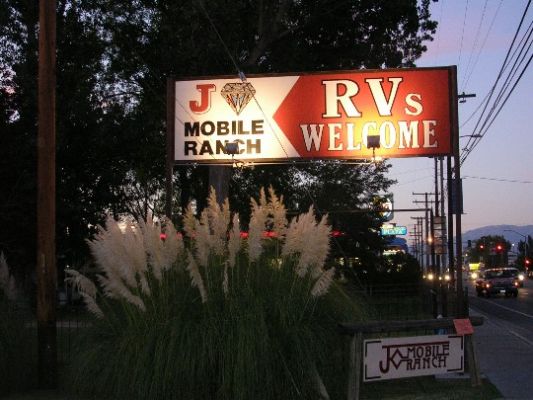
[407, 109]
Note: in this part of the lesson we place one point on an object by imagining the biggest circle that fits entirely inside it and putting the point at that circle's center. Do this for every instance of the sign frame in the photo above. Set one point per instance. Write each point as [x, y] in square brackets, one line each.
[393, 230]
[407, 357]
[382, 84]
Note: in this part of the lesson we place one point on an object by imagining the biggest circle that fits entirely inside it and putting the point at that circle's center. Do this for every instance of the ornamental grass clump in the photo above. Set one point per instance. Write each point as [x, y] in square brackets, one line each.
[16, 341]
[210, 314]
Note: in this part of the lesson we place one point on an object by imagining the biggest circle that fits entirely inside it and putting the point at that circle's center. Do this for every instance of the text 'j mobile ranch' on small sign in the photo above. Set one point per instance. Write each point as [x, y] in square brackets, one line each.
[412, 356]
[314, 116]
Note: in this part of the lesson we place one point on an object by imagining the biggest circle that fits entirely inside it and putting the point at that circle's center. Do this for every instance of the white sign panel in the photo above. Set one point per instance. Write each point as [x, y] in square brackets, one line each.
[216, 112]
[405, 357]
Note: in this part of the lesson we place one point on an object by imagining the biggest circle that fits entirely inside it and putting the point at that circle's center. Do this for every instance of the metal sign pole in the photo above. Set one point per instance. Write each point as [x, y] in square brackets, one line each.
[171, 100]
[457, 183]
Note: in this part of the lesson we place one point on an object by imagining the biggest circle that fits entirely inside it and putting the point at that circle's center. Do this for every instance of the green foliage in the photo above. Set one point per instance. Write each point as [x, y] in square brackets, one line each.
[261, 340]
[400, 268]
[113, 58]
[429, 388]
[17, 368]
[217, 319]
[342, 191]
[491, 250]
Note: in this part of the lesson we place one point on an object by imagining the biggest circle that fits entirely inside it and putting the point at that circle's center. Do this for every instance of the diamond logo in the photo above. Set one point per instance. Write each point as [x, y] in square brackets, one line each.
[238, 95]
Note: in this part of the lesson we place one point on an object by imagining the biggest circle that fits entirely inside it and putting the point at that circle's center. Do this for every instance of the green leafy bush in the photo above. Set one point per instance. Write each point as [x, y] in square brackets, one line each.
[15, 337]
[213, 315]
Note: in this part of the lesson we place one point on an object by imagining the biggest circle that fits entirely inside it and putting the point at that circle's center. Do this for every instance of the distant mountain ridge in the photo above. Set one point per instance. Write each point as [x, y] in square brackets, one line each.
[500, 230]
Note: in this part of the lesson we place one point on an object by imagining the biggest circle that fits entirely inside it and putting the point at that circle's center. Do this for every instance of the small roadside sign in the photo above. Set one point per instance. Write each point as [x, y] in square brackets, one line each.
[463, 326]
[392, 358]
[393, 230]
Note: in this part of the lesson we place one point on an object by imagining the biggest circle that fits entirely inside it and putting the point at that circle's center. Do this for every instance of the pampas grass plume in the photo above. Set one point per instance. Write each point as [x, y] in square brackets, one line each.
[190, 223]
[151, 234]
[81, 282]
[196, 277]
[115, 288]
[203, 239]
[87, 289]
[258, 220]
[219, 218]
[172, 246]
[278, 212]
[234, 241]
[323, 283]
[7, 282]
[310, 241]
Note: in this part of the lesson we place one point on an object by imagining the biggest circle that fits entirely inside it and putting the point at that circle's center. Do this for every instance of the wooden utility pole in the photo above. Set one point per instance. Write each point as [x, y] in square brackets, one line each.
[427, 235]
[438, 251]
[46, 195]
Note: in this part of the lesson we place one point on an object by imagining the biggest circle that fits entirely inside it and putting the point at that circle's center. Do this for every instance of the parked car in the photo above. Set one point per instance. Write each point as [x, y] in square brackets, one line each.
[494, 281]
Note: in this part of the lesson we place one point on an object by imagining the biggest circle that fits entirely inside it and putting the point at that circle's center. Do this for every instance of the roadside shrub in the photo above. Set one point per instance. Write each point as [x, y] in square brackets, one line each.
[15, 339]
[211, 314]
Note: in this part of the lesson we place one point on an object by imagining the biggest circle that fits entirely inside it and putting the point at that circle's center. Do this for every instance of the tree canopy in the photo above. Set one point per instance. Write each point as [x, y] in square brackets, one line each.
[113, 58]
[491, 250]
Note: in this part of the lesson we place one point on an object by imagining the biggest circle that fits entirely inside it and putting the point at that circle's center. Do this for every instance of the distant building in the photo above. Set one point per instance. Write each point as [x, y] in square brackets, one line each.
[396, 245]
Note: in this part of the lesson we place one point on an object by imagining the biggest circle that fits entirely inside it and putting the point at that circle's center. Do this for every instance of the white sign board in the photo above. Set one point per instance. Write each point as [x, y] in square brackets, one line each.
[313, 116]
[405, 357]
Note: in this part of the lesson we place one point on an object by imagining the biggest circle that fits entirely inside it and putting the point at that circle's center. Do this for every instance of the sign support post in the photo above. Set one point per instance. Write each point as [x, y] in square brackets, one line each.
[457, 182]
[355, 365]
[169, 165]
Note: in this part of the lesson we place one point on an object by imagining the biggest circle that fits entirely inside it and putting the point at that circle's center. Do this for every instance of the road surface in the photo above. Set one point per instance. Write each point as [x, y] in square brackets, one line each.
[504, 344]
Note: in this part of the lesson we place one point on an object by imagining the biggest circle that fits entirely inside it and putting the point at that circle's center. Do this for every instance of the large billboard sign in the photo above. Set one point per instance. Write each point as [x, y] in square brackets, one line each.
[314, 116]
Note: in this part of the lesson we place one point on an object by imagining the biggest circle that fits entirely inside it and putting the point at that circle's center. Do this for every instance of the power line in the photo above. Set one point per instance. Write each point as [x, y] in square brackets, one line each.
[474, 44]
[497, 179]
[480, 48]
[438, 34]
[494, 115]
[463, 34]
[486, 119]
[502, 69]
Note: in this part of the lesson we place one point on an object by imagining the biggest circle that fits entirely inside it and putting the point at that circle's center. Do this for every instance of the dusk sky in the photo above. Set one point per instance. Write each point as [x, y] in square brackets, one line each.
[476, 35]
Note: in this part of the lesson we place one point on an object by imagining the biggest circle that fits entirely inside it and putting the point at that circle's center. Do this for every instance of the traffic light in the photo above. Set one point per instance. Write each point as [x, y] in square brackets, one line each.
[527, 262]
[499, 247]
[481, 246]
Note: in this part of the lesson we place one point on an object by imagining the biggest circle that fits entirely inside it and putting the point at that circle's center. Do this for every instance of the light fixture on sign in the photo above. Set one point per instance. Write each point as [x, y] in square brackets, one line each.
[372, 142]
[232, 148]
